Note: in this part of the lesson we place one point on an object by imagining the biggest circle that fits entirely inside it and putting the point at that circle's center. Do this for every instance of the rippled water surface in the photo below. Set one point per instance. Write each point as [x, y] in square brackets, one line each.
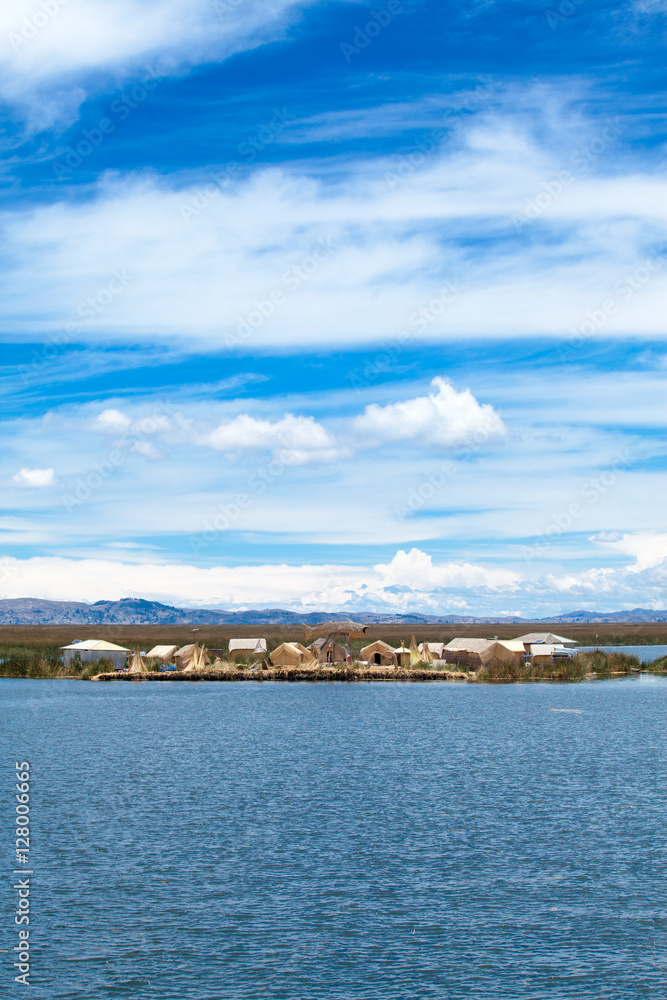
[348, 841]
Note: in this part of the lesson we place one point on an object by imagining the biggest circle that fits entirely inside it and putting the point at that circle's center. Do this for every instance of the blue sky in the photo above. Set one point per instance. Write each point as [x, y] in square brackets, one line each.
[334, 305]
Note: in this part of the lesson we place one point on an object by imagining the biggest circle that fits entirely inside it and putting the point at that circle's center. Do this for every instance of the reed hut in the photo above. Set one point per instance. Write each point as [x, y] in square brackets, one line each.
[403, 656]
[379, 654]
[327, 652]
[290, 654]
[472, 653]
[508, 651]
[162, 653]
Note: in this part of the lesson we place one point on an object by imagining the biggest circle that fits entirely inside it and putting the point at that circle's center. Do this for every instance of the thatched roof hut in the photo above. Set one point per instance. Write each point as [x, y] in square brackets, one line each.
[290, 654]
[378, 654]
[471, 652]
[162, 653]
[403, 656]
[326, 650]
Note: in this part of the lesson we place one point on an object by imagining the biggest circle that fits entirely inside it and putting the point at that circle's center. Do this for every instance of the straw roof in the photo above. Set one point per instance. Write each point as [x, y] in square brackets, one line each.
[470, 645]
[137, 665]
[161, 652]
[289, 653]
[425, 653]
[376, 647]
[435, 648]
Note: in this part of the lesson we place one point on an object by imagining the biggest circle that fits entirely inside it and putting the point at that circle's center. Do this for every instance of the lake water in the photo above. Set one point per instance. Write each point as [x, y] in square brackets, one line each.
[343, 841]
[645, 653]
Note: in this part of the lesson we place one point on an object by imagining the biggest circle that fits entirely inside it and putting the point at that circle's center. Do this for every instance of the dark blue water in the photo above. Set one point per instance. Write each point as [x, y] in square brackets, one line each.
[344, 840]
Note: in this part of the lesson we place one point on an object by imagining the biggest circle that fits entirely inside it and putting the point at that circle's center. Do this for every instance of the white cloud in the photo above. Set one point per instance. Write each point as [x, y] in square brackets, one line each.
[35, 478]
[146, 449]
[291, 585]
[295, 438]
[58, 51]
[113, 421]
[445, 418]
[410, 583]
[353, 259]
[415, 569]
[649, 549]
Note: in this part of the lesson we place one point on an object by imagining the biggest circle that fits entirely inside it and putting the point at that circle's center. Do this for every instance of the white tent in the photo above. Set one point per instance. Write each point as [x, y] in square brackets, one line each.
[92, 650]
[246, 647]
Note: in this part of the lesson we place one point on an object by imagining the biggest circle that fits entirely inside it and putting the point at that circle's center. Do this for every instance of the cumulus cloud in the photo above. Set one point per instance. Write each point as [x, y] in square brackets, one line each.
[112, 421]
[290, 585]
[247, 432]
[649, 549]
[35, 478]
[416, 570]
[443, 419]
[412, 582]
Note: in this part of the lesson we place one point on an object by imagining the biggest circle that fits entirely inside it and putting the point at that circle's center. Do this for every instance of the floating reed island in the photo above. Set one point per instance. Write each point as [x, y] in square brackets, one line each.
[330, 652]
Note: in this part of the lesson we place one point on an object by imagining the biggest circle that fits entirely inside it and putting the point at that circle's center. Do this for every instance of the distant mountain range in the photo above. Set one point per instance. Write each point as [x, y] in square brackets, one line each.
[134, 611]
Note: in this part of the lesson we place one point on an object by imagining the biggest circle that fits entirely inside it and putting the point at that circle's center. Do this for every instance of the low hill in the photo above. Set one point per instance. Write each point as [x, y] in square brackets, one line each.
[135, 611]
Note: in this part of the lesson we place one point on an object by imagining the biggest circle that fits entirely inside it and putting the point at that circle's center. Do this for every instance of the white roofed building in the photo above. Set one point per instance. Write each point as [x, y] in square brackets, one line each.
[92, 650]
[535, 638]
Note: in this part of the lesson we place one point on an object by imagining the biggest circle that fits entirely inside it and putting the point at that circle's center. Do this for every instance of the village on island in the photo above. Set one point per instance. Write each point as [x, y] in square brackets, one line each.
[327, 645]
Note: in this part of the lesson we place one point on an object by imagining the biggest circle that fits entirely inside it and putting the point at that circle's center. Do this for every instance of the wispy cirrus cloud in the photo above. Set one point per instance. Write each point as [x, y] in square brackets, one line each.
[351, 260]
[58, 52]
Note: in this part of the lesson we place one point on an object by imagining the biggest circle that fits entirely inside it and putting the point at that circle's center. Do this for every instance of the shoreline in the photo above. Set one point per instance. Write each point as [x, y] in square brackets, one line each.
[290, 674]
